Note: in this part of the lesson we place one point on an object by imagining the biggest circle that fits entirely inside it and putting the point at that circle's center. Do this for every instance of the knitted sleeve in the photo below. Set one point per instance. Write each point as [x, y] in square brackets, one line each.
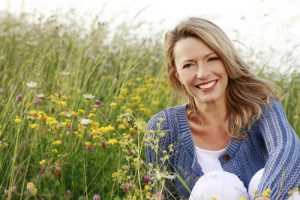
[159, 155]
[282, 170]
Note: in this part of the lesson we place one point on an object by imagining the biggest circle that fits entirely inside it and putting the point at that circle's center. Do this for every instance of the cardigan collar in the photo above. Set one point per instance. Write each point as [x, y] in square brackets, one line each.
[187, 141]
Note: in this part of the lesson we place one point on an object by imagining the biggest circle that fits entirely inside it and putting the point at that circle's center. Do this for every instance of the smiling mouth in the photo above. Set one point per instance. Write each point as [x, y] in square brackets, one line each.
[207, 85]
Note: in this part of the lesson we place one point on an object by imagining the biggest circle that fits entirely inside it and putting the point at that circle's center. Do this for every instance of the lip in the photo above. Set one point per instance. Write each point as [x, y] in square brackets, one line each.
[203, 83]
[207, 89]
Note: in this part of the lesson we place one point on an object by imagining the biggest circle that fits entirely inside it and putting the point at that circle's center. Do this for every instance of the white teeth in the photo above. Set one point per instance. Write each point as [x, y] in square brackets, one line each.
[208, 85]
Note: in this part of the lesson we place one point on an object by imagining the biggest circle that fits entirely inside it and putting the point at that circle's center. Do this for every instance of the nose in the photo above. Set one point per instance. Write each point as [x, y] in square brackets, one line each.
[202, 71]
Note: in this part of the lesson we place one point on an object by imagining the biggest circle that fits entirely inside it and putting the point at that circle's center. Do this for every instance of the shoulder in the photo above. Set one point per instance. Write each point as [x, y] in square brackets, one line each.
[165, 117]
[273, 109]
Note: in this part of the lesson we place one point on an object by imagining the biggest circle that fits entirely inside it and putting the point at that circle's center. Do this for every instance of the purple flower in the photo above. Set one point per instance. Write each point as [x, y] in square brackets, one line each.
[37, 101]
[147, 179]
[98, 102]
[1, 91]
[96, 197]
[19, 97]
[42, 169]
[68, 194]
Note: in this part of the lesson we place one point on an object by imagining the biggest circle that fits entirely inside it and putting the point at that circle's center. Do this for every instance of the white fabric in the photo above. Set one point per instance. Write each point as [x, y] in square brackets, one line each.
[220, 185]
[209, 160]
[227, 186]
[252, 188]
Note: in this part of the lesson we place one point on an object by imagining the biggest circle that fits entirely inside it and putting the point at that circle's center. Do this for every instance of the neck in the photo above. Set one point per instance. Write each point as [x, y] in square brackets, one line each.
[211, 113]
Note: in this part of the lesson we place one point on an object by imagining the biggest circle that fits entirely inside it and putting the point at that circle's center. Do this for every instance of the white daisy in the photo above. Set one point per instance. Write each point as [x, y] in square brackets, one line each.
[88, 96]
[84, 121]
[32, 84]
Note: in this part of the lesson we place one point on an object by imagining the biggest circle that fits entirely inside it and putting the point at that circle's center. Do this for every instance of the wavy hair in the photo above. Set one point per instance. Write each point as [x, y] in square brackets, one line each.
[246, 93]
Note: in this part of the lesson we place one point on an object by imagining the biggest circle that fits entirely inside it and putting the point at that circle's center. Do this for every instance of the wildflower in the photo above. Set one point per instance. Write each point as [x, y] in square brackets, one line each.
[1, 91]
[295, 117]
[104, 144]
[54, 151]
[65, 73]
[88, 96]
[96, 197]
[57, 142]
[42, 168]
[112, 141]
[37, 101]
[113, 105]
[40, 95]
[68, 194]
[57, 171]
[42, 162]
[84, 121]
[267, 192]
[19, 97]
[31, 84]
[98, 102]
[51, 121]
[31, 188]
[147, 179]
[147, 187]
[127, 186]
[89, 146]
[92, 115]
[18, 120]
[62, 103]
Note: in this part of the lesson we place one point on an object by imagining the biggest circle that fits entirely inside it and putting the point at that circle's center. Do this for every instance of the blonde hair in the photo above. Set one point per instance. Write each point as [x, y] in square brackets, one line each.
[246, 93]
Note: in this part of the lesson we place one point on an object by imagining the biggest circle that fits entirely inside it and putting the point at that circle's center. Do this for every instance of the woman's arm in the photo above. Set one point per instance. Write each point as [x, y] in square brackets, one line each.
[282, 170]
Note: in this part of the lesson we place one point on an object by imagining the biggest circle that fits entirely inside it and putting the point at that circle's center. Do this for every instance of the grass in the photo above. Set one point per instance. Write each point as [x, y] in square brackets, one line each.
[71, 145]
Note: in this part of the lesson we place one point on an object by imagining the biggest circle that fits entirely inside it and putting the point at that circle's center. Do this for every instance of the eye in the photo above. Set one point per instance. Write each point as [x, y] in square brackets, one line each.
[213, 58]
[187, 65]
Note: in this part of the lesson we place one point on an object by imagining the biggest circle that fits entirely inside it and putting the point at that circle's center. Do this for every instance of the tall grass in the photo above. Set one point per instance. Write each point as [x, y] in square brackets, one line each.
[70, 144]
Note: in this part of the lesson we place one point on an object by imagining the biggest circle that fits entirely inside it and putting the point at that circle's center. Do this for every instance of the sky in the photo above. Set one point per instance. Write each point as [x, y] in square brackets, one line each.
[260, 23]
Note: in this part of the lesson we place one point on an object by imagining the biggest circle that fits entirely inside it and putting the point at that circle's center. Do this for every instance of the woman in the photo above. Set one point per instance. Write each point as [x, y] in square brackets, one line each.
[232, 120]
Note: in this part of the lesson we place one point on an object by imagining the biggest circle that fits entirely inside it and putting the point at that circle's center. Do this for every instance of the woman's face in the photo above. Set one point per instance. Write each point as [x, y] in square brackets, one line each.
[200, 70]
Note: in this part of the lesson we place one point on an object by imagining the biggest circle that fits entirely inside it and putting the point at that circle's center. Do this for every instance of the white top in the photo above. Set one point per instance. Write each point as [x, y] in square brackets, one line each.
[209, 160]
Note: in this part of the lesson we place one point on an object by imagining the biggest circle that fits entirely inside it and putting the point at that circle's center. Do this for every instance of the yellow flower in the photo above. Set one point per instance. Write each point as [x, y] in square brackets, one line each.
[113, 105]
[51, 121]
[42, 162]
[33, 126]
[56, 142]
[54, 150]
[267, 192]
[81, 111]
[106, 129]
[75, 114]
[124, 91]
[122, 127]
[18, 120]
[112, 141]
[91, 115]
[31, 188]
[136, 98]
[62, 103]
[147, 187]
[243, 198]
[213, 198]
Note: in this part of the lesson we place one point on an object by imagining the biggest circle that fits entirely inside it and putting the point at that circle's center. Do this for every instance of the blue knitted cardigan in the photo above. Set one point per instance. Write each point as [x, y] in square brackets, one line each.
[271, 144]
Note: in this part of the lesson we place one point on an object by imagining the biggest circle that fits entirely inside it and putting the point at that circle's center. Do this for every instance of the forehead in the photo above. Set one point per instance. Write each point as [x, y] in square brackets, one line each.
[190, 47]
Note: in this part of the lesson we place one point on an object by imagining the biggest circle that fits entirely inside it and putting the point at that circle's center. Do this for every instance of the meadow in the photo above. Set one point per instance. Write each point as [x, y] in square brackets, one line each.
[74, 106]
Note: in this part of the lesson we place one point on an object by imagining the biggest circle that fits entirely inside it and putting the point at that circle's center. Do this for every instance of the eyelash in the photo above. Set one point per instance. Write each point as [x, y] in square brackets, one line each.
[209, 60]
[213, 58]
